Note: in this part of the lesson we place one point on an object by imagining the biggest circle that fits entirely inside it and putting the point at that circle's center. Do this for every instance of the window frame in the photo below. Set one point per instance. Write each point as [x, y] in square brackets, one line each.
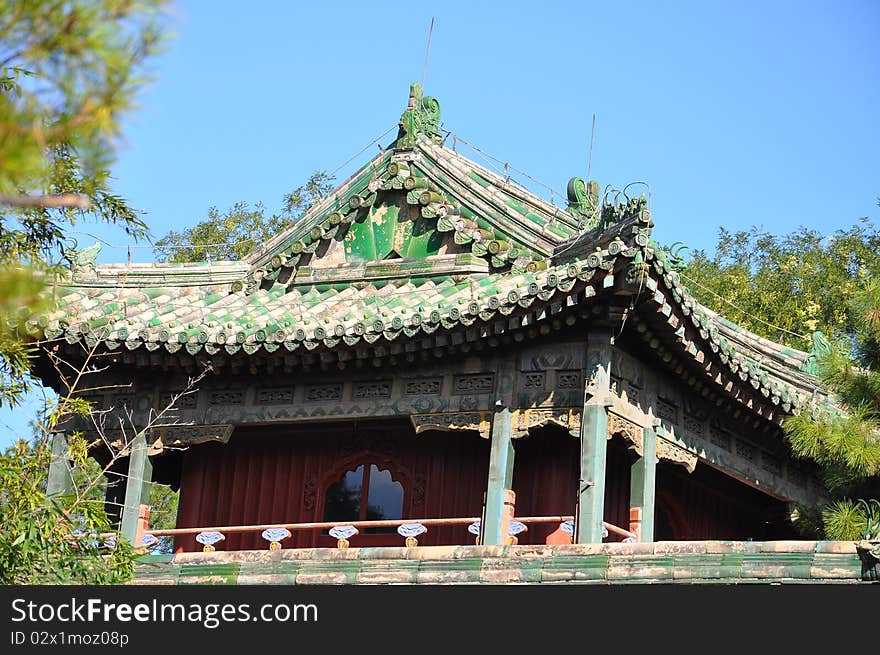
[382, 461]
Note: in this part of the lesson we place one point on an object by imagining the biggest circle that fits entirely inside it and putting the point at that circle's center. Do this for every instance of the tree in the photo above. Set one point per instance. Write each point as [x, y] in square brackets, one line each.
[800, 282]
[847, 445]
[69, 70]
[794, 282]
[232, 234]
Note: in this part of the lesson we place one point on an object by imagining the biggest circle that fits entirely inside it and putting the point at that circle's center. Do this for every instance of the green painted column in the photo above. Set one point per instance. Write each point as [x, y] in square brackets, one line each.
[60, 481]
[500, 479]
[593, 440]
[642, 483]
[137, 487]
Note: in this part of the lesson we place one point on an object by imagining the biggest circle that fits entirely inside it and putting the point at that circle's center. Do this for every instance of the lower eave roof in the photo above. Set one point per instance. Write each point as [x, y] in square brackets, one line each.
[202, 308]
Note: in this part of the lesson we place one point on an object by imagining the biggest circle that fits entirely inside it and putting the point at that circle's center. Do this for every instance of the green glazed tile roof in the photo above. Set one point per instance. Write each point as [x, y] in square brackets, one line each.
[420, 239]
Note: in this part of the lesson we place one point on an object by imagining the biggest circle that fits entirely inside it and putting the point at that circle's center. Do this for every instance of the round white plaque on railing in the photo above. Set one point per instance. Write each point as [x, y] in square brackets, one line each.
[208, 539]
[410, 531]
[342, 533]
[274, 537]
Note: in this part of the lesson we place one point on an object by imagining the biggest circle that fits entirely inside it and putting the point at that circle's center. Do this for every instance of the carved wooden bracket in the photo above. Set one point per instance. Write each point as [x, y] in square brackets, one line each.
[666, 449]
[626, 429]
[565, 417]
[675, 453]
[190, 435]
[454, 422]
[159, 438]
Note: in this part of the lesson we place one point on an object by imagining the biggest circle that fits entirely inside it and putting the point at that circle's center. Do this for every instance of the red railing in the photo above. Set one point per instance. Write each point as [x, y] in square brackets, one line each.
[326, 525]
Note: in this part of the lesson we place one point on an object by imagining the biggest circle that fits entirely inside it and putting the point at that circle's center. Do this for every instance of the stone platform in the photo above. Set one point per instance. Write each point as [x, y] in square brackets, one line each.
[722, 562]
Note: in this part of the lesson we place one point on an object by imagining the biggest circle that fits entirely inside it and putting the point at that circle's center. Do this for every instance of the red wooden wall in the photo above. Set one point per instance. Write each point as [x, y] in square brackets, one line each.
[545, 477]
[280, 474]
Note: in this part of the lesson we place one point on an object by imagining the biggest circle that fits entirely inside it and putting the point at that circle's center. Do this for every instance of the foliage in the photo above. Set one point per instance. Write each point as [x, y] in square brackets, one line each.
[69, 70]
[801, 282]
[55, 540]
[795, 281]
[163, 513]
[233, 234]
[19, 296]
[847, 445]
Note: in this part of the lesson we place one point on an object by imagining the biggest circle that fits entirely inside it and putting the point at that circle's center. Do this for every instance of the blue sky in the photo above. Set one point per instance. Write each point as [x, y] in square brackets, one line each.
[735, 114]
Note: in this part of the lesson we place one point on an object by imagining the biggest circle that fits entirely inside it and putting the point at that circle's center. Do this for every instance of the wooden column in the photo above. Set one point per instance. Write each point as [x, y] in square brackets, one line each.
[642, 488]
[60, 481]
[499, 496]
[593, 439]
[137, 488]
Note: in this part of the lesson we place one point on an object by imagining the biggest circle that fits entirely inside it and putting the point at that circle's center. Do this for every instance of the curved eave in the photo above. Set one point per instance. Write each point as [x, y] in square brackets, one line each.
[699, 336]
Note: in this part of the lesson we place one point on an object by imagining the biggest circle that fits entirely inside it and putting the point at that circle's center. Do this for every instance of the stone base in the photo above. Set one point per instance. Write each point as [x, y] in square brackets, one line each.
[724, 562]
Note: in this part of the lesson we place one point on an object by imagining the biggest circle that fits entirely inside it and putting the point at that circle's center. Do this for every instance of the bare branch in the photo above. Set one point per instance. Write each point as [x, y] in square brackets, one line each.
[61, 200]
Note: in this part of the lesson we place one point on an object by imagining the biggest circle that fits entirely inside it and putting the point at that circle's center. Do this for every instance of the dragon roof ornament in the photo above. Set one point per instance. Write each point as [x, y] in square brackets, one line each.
[422, 116]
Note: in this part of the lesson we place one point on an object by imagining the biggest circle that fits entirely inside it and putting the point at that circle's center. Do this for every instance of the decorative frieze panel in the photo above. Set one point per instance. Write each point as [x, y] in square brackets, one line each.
[471, 384]
[227, 397]
[453, 422]
[423, 387]
[746, 450]
[693, 424]
[274, 396]
[719, 437]
[667, 410]
[468, 403]
[534, 381]
[364, 390]
[633, 393]
[568, 380]
[320, 392]
[186, 401]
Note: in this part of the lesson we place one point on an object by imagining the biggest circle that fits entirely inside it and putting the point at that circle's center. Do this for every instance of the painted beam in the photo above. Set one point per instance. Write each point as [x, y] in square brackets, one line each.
[642, 488]
[500, 479]
[137, 488]
[593, 439]
[60, 481]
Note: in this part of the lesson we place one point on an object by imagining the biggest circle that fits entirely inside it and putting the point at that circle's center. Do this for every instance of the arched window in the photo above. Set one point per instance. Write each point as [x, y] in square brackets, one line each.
[367, 493]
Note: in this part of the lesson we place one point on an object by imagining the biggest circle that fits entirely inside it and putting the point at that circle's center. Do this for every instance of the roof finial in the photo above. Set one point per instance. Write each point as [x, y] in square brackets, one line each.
[422, 116]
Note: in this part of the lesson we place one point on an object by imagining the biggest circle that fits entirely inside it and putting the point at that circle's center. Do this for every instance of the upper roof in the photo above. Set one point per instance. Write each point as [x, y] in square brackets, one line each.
[419, 240]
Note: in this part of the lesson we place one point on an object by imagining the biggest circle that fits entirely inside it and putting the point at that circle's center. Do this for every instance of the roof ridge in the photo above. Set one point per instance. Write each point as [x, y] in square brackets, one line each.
[315, 212]
[509, 185]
